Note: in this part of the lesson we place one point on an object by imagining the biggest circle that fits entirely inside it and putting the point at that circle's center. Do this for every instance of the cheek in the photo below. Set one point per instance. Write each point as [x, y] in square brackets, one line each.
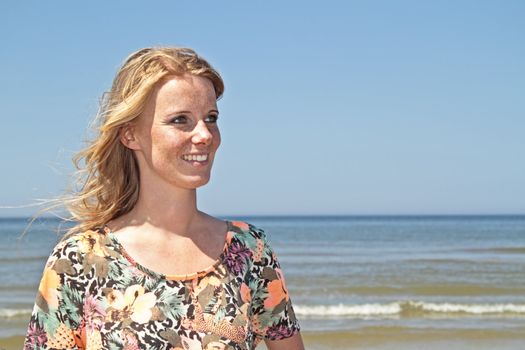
[166, 147]
[217, 138]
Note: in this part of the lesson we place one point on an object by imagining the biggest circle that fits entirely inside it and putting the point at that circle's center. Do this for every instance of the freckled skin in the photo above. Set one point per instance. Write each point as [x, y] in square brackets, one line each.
[160, 143]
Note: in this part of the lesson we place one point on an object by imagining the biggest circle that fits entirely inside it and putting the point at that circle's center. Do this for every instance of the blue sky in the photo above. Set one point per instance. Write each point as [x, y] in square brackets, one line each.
[340, 107]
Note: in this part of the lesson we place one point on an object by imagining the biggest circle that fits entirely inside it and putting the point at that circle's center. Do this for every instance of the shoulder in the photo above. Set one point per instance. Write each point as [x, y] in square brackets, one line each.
[93, 241]
[81, 251]
[255, 239]
[246, 232]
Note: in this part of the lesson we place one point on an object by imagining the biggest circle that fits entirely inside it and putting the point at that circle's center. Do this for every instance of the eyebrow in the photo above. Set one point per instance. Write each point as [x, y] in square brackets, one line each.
[189, 112]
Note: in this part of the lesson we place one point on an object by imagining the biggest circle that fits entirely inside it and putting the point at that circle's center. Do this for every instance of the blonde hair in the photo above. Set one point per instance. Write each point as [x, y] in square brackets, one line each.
[107, 182]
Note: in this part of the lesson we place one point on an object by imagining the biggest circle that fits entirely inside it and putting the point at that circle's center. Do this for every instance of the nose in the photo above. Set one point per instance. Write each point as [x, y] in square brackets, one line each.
[201, 133]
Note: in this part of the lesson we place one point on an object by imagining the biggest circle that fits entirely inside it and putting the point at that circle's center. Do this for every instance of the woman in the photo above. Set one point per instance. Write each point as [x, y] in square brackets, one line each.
[144, 268]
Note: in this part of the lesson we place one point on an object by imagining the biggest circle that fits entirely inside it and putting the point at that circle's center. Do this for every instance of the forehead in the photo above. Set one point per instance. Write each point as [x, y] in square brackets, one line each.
[187, 92]
[181, 93]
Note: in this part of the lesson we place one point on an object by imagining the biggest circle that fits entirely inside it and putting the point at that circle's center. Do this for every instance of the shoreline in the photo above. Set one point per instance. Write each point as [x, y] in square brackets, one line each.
[387, 338]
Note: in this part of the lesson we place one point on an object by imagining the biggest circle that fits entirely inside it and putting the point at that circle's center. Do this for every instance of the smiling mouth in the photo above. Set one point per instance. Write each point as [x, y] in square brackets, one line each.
[201, 158]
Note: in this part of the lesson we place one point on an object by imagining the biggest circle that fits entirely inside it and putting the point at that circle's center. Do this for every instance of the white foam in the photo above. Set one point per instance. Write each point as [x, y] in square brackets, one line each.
[471, 308]
[348, 310]
[400, 307]
[7, 313]
[373, 309]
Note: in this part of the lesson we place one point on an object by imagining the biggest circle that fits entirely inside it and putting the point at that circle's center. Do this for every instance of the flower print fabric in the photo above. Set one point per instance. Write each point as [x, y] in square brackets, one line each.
[93, 295]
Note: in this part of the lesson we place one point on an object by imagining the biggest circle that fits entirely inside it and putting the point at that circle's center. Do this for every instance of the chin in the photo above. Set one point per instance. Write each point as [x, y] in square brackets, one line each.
[195, 183]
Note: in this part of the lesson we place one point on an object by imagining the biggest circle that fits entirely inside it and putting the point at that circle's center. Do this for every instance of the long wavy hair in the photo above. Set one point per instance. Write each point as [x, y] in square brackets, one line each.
[106, 184]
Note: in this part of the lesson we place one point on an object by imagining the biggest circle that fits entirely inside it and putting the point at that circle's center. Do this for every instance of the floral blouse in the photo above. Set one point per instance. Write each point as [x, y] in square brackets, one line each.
[94, 296]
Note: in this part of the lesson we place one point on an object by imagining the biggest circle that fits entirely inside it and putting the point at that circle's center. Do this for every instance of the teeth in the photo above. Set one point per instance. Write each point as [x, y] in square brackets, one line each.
[195, 157]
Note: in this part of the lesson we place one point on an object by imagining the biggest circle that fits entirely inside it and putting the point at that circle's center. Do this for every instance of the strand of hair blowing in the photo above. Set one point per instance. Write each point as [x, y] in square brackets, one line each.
[106, 183]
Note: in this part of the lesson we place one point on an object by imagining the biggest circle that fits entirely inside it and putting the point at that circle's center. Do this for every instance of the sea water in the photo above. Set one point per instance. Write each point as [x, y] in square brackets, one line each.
[367, 282]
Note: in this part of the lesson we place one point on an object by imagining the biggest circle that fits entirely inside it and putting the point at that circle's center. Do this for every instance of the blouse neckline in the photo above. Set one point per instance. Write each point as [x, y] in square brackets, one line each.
[176, 277]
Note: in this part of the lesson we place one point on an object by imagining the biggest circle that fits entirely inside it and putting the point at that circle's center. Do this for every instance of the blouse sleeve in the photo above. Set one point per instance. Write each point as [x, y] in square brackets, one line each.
[273, 316]
[58, 306]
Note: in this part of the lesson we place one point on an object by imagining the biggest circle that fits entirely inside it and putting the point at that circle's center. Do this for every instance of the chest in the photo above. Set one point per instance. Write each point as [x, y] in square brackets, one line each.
[205, 312]
[175, 258]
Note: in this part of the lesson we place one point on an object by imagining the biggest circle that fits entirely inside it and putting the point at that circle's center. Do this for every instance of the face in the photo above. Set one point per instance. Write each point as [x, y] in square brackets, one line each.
[176, 137]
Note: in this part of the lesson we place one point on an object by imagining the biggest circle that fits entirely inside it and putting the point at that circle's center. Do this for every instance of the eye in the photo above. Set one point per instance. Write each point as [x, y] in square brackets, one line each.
[212, 118]
[181, 119]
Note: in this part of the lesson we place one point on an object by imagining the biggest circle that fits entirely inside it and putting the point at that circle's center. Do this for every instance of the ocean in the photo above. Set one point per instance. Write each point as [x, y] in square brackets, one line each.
[356, 282]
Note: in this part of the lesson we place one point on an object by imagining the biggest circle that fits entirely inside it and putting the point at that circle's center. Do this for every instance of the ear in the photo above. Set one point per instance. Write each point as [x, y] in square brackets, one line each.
[127, 136]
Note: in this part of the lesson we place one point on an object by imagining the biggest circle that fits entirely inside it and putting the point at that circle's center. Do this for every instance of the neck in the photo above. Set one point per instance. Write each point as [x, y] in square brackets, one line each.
[165, 209]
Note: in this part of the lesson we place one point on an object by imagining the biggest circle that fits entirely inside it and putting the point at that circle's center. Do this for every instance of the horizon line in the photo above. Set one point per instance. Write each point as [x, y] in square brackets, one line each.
[47, 217]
